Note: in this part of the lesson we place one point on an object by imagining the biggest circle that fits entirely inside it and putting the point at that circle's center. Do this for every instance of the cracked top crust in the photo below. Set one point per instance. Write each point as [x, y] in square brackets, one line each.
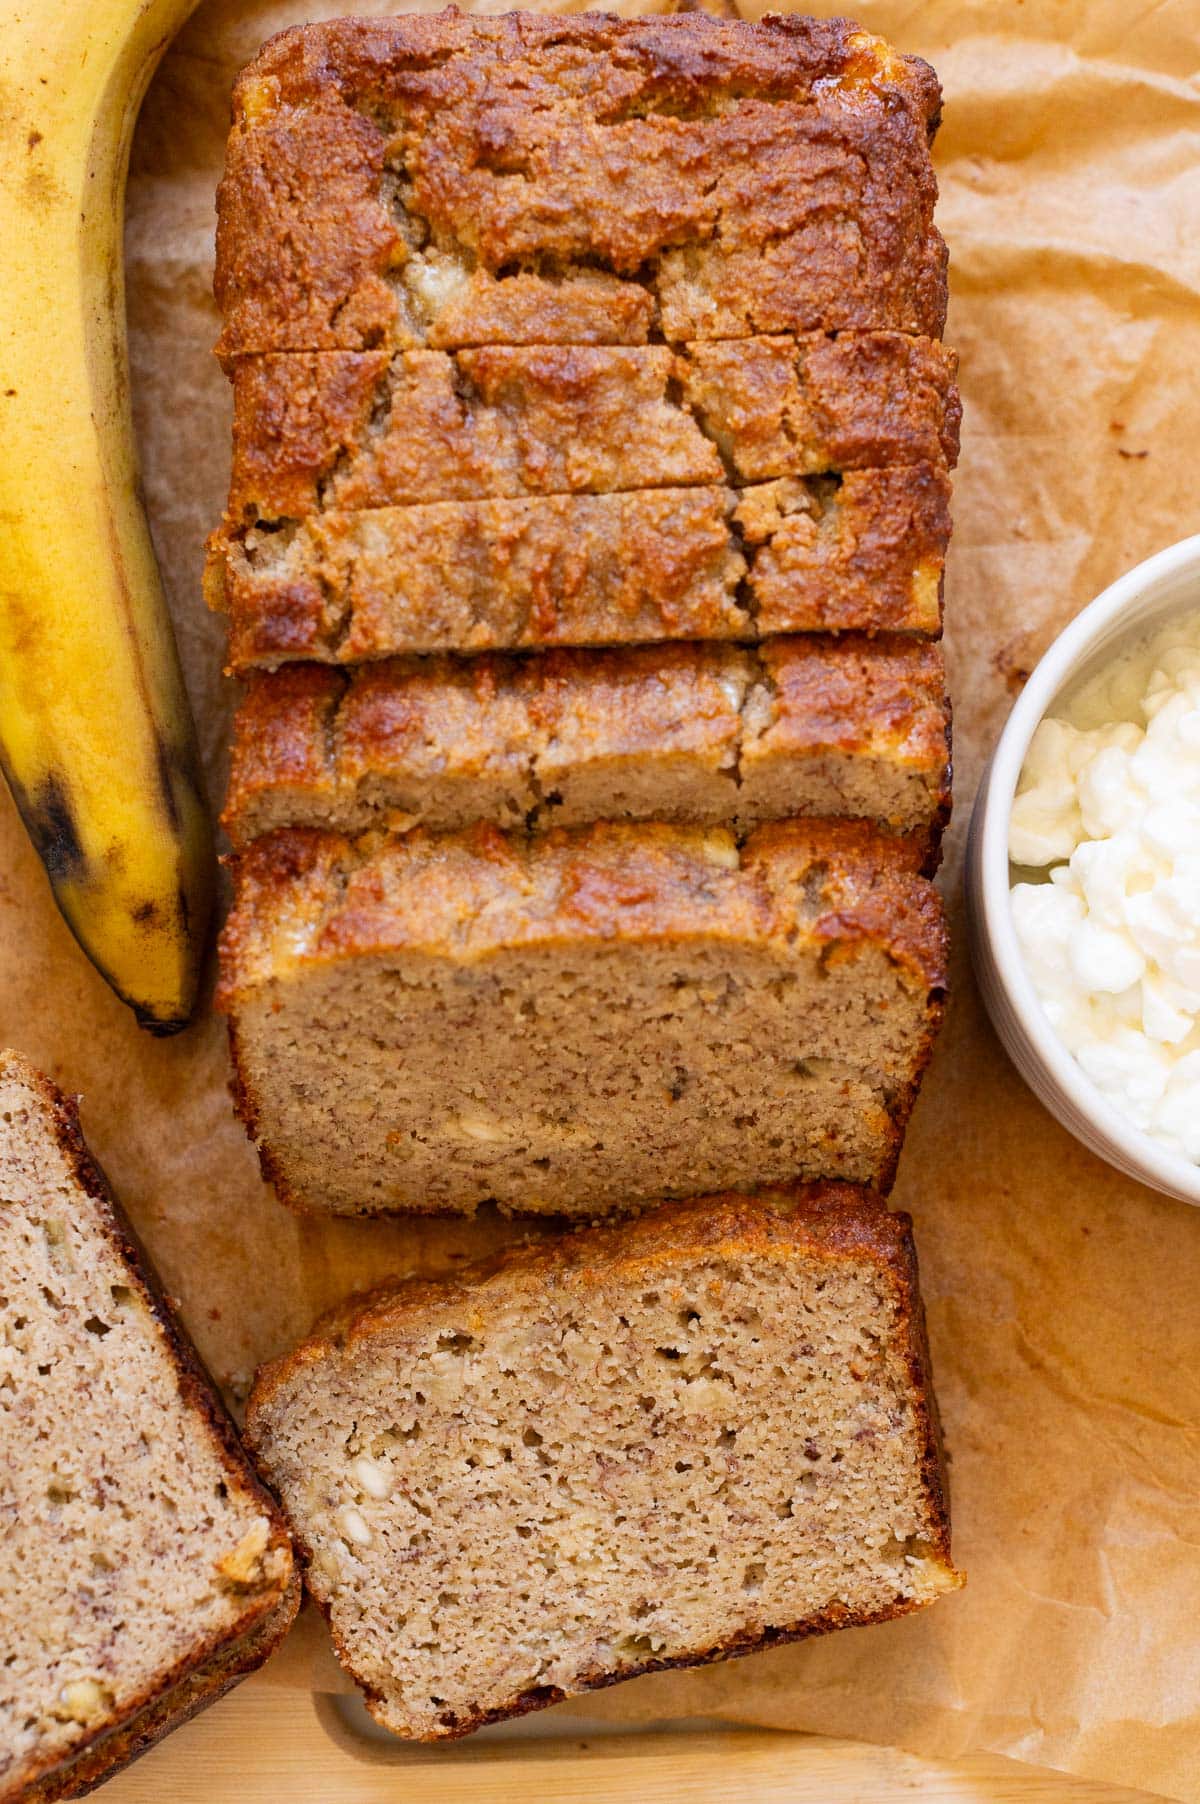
[687, 732]
[442, 181]
[306, 898]
[863, 552]
[350, 429]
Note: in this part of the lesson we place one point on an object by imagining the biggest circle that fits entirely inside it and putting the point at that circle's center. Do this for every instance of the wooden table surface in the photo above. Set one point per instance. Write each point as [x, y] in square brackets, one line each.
[264, 1745]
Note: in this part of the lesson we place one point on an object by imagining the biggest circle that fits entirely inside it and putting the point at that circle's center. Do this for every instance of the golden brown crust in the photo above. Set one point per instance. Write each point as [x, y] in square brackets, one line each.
[305, 897]
[856, 694]
[285, 740]
[824, 402]
[824, 1215]
[476, 576]
[855, 691]
[864, 552]
[834, 1221]
[868, 554]
[176, 1703]
[393, 182]
[595, 64]
[429, 740]
[352, 430]
[217, 1662]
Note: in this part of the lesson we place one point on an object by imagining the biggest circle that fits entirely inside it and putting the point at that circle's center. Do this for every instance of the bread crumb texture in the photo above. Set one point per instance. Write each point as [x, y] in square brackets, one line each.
[574, 1021]
[687, 1437]
[142, 1566]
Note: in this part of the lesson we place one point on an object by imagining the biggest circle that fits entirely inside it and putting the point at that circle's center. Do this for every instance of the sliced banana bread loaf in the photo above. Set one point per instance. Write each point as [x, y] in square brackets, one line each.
[712, 734]
[445, 181]
[652, 1445]
[864, 551]
[143, 1568]
[578, 1021]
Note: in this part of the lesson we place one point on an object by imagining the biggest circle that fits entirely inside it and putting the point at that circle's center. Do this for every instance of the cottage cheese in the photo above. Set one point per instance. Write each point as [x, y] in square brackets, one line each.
[1108, 807]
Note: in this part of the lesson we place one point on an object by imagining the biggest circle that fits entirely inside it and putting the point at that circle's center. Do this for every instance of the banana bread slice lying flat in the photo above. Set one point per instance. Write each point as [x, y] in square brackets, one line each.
[711, 734]
[440, 180]
[580, 1021]
[650, 1445]
[143, 1568]
[860, 552]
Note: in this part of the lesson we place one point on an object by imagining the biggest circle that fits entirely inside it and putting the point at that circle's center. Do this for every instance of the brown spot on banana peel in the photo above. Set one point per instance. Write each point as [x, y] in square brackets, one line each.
[20, 623]
[40, 190]
[50, 824]
[169, 773]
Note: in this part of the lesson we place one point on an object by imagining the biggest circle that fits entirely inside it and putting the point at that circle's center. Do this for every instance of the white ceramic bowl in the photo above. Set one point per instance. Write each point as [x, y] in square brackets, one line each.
[1163, 585]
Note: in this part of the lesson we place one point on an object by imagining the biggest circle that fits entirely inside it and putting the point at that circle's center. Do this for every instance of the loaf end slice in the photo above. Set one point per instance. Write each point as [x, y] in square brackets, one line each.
[444, 181]
[659, 1444]
[143, 1567]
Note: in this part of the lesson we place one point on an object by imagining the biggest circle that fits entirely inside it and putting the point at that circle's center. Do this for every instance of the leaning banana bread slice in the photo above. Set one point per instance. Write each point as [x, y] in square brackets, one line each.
[575, 1022]
[444, 181]
[864, 552]
[710, 734]
[358, 429]
[643, 1446]
[143, 1568]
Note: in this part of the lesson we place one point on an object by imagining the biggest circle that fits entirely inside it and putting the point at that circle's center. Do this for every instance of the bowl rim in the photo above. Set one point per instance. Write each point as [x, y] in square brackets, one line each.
[1165, 1170]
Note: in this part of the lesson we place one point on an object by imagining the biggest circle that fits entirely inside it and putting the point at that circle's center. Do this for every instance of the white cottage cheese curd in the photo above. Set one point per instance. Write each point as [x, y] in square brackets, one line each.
[1108, 805]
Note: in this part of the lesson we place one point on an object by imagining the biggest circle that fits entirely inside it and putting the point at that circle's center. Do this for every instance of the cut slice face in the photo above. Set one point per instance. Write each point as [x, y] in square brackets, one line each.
[143, 1568]
[695, 1435]
[571, 1023]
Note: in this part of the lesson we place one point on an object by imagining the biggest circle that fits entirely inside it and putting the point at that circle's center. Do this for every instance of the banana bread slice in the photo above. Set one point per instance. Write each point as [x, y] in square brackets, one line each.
[448, 181]
[711, 734]
[143, 1568]
[351, 429]
[657, 1444]
[865, 551]
[581, 1020]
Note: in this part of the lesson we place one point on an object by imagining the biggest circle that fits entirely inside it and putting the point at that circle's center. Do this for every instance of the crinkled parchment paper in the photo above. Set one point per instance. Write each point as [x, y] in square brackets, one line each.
[1064, 1301]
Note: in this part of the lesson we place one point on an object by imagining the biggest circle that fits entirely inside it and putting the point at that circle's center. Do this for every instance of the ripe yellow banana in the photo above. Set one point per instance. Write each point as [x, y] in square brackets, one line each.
[96, 738]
